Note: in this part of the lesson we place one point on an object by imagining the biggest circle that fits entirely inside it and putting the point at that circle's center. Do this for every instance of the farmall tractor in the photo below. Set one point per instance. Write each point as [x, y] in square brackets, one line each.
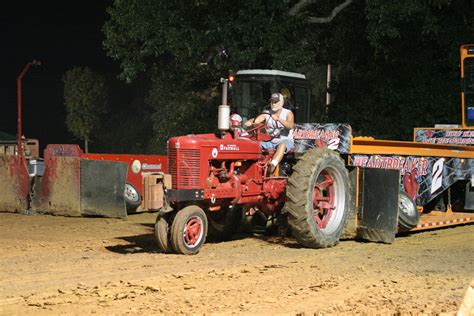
[215, 178]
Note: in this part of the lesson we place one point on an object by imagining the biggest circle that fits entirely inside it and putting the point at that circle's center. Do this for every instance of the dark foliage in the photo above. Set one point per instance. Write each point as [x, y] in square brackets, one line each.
[395, 63]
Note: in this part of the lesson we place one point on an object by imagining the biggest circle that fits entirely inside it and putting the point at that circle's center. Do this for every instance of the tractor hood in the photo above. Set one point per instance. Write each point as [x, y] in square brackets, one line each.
[213, 147]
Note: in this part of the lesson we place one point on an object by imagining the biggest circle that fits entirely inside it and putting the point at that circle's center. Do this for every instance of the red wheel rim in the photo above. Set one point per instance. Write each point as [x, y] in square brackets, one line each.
[323, 199]
[192, 231]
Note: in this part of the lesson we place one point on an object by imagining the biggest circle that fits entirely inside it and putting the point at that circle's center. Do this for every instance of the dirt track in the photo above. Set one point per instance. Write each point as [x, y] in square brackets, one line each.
[55, 265]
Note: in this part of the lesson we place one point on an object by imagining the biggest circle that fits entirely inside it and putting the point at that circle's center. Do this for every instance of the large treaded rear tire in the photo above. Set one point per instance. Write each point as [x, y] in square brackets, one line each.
[318, 199]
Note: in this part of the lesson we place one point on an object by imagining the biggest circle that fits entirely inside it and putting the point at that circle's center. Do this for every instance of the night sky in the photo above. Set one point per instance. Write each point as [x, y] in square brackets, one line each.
[60, 34]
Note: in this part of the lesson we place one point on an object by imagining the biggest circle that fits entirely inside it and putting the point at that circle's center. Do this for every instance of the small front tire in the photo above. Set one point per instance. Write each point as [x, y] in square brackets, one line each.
[162, 233]
[189, 230]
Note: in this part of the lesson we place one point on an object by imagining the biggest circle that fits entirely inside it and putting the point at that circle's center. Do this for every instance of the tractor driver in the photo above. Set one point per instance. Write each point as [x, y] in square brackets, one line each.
[279, 123]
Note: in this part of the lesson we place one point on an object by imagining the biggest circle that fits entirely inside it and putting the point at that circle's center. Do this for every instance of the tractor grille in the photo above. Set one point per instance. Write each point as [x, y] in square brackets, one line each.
[184, 167]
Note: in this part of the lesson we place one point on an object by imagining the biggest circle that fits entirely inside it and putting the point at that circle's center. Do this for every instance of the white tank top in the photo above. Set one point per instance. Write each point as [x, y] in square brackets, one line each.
[276, 129]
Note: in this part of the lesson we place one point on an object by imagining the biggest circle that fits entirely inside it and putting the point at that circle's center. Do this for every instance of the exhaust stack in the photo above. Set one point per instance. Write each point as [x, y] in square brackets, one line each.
[223, 123]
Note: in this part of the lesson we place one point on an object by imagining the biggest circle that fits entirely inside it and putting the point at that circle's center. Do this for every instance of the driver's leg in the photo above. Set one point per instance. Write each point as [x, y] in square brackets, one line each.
[280, 151]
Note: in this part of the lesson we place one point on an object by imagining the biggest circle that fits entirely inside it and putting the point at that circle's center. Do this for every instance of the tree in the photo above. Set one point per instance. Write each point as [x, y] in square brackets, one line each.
[85, 98]
[394, 62]
[180, 106]
[397, 65]
[256, 33]
[187, 46]
[302, 4]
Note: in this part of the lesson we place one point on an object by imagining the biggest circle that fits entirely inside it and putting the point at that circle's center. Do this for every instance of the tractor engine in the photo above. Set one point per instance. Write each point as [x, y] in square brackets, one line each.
[217, 172]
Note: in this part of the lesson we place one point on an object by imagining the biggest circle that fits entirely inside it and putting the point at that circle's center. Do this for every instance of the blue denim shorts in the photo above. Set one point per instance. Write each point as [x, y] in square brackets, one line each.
[270, 145]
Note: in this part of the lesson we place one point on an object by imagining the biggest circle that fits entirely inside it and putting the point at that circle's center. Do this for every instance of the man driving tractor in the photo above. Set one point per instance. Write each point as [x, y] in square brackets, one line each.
[279, 123]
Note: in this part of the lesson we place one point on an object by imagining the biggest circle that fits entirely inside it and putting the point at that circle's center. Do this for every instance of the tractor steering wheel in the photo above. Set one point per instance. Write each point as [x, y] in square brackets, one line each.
[256, 129]
[258, 132]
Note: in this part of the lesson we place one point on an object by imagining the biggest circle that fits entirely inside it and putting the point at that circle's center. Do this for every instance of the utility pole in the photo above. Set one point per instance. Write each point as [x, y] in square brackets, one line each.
[18, 92]
[328, 89]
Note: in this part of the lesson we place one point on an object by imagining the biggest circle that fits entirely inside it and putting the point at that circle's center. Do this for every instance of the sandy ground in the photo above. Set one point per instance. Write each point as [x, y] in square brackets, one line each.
[63, 265]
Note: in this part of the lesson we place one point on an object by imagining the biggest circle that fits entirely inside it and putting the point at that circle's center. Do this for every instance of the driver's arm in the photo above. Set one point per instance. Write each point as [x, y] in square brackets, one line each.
[289, 123]
[255, 121]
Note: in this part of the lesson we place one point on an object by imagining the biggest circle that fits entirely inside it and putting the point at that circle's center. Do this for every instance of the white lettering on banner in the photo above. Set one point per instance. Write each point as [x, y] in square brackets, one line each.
[437, 174]
[315, 134]
[404, 164]
[448, 140]
[146, 166]
[453, 133]
[333, 143]
[229, 147]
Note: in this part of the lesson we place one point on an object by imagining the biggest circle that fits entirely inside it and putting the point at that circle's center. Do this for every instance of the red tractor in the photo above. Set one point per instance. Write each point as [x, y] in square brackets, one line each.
[332, 186]
[215, 178]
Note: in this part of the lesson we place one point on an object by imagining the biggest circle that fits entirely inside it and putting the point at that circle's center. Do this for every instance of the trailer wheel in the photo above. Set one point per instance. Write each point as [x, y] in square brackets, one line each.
[162, 233]
[189, 230]
[408, 215]
[133, 198]
[222, 224]
[318, 198]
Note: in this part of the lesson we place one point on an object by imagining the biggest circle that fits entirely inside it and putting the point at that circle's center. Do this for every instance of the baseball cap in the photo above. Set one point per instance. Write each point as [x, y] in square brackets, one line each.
[275, 97]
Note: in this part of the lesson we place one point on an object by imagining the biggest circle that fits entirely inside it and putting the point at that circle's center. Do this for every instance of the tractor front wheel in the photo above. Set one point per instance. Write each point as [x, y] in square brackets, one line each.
[189, 230]
[162, 233]
[318, 198]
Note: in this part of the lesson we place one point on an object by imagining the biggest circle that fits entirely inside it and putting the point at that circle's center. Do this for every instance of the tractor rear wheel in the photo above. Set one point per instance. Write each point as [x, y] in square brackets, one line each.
[318, 198]
[162, 233]
[408, 215]
[189, 230]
